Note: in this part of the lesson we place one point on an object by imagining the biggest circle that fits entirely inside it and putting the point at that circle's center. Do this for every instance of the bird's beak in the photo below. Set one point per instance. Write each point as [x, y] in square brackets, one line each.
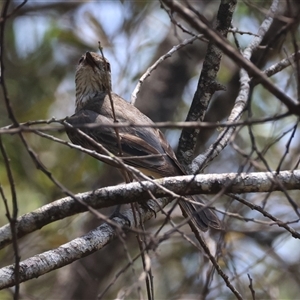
[90, 60]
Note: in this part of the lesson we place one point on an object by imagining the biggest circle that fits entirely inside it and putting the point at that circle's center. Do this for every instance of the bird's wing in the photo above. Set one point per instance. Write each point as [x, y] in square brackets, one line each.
[140, 146]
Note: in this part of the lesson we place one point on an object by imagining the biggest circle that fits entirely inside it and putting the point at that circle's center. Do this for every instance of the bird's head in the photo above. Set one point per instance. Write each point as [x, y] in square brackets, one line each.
[92, 78]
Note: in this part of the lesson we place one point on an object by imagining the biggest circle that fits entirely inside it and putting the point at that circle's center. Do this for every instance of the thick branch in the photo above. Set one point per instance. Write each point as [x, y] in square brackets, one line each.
[96, 239]
[203, 159]
[258, 182]
[207, 86]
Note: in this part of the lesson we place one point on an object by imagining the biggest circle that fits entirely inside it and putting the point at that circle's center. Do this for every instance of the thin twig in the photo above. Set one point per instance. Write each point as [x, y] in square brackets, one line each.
[13, 217]
[15, 10]
[202, 160]
[158, 62]
[292, 105]
[251, 287]
[30, 126]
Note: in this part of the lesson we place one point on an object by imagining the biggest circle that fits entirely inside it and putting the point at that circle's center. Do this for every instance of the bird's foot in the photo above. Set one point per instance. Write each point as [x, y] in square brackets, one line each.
[118, 214]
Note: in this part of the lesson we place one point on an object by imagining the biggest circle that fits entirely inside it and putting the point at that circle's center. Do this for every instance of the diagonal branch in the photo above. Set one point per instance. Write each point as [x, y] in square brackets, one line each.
[231, 52]
[240, 102]
[206, 87]
[96, 239]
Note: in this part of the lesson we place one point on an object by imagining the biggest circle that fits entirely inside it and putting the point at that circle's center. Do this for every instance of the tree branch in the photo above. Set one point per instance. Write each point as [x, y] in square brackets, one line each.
[102, 235]
[257, 182]
[229, 50]
[201, 161]
[206, 87]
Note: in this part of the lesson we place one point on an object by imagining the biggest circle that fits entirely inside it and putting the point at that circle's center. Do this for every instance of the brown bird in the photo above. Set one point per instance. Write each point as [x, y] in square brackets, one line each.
[157, 159]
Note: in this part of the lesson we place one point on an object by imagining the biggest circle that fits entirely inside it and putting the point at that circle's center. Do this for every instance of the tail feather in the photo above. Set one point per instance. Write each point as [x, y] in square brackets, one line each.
[203, 218]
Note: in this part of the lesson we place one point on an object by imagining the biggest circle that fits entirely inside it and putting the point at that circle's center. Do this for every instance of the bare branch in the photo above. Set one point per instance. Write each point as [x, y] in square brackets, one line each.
[159, 61]
[229, 50]
[27, 126]
[260, 182]
[206, 87]
[202, 160]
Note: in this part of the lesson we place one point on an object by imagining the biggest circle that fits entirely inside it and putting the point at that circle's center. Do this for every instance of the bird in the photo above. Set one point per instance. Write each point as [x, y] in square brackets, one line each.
[144, 148]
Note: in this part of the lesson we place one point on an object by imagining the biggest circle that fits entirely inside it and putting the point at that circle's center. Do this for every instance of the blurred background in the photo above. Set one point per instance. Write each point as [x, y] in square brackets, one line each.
[43, 43]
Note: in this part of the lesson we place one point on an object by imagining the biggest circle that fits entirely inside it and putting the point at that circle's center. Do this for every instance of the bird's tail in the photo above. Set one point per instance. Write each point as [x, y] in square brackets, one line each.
[202, 217]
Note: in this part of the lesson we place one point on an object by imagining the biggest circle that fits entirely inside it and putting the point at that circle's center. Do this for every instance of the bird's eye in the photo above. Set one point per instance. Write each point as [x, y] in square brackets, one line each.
[81, 59]
[108, 66]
